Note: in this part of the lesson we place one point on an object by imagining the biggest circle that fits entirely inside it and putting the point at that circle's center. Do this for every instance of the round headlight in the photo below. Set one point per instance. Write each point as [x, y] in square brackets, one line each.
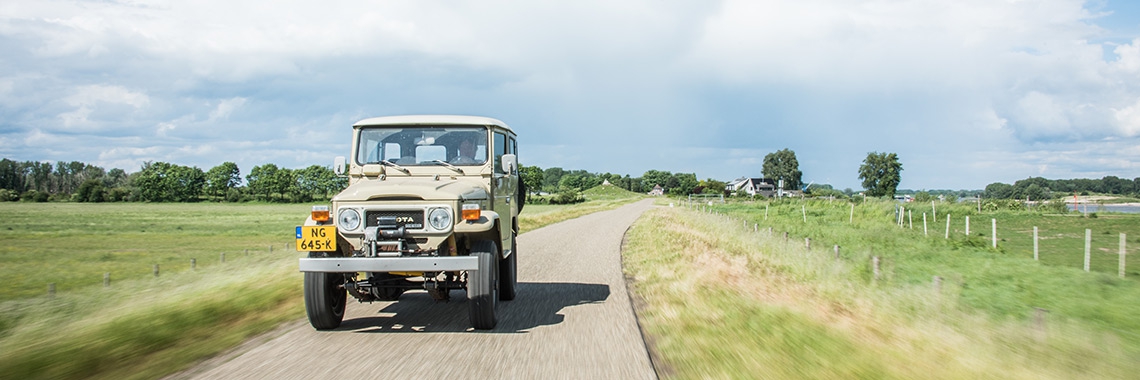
[440, 218]
[349, 219]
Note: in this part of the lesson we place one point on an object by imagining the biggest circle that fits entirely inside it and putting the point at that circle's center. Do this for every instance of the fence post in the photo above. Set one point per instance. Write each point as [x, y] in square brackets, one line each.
[803, 209]
[910, 218]
[223, 257]
[755, 227]
[935, 208]
[193, 264]
[937, 285]
[51, 289]
[106, 279]
[851, 219]
[765, 212]
[1088, 248]
[271, 248]
[155, 270]
[993, 231]
[785, 236]
[807, 243]
[1122, 255]
[967, 225]
[837, 251]
[924, 233]
[947, 227]
[1035, 257]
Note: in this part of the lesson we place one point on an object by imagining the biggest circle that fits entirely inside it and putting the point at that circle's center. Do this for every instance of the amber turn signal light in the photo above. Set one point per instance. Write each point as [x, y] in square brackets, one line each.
[471, 212]
[321, 213]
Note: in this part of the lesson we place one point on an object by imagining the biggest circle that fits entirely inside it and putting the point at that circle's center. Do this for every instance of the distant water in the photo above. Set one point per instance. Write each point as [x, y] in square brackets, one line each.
[1128, 209]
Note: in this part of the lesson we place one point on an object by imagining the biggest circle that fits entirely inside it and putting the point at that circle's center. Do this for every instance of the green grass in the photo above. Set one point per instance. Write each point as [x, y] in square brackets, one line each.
[74, 244]
[599, 198]
[146, 327]
[724, 301]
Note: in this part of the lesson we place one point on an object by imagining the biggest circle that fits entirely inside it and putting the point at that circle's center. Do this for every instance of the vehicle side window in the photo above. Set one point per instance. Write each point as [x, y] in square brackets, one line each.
[500, 150]
[512, 146]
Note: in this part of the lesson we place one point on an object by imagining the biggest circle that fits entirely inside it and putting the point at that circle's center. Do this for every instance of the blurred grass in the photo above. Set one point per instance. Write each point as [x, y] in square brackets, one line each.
[726, 302]
[144, 327]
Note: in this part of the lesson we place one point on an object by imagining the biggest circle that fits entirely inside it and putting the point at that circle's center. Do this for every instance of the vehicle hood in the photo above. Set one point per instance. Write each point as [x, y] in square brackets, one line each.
[415, 188]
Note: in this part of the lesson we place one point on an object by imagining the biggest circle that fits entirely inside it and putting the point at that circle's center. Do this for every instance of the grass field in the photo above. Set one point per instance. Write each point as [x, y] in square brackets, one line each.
[723, 301]
[145, 327]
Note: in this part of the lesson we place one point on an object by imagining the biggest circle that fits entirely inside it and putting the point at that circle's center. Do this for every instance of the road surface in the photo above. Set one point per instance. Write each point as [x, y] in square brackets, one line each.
[572, 318]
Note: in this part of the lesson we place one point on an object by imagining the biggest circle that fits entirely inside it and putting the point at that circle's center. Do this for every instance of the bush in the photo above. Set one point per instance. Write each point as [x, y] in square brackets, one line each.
[8, 195]
[35, 196]
[567, 196]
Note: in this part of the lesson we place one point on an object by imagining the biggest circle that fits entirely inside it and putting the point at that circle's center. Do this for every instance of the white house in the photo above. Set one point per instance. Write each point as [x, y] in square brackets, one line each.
[752, 186]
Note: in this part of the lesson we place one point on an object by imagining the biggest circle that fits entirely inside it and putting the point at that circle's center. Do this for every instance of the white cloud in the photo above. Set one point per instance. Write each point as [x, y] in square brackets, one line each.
[225, 108]
[1128, 120]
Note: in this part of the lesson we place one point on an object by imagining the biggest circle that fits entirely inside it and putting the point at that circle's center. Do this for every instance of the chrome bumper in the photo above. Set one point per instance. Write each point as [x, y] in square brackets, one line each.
[389, 264]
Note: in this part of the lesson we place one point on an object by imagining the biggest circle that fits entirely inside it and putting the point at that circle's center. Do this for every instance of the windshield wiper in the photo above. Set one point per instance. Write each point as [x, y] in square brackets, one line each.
[393, 164]
[449, 166]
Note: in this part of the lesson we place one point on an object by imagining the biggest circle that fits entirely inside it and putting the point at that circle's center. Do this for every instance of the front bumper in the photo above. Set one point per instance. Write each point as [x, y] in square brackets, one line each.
[389, 264]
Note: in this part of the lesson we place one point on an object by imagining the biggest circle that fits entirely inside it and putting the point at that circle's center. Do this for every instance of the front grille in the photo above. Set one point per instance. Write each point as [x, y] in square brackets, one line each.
[410, 220]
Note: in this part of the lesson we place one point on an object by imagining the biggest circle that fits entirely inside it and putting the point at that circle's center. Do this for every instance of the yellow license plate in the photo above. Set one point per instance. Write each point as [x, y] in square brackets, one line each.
[316, 238]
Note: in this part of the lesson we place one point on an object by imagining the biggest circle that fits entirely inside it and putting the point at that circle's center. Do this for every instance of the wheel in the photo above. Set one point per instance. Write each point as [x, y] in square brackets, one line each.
[508, 274]
[483, 285]
[324, 299]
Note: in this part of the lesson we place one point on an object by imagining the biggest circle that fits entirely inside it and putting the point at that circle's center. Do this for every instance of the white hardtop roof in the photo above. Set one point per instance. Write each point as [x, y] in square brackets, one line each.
[432, 120]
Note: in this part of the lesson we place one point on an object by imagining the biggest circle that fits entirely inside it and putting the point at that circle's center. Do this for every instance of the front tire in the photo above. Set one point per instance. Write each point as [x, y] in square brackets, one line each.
[508, 273]
[325, 299]
[483, 285]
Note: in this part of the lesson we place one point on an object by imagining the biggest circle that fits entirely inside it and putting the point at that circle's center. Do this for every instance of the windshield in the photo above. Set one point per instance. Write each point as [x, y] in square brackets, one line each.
[423, 145]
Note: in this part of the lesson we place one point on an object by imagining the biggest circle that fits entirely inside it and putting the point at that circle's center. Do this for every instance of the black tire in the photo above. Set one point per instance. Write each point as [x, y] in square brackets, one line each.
[508, 274]
[324, 299]
[483, 285]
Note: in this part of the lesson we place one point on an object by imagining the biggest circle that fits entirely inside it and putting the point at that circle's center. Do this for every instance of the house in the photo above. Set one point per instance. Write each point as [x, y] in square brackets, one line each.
[657, 190]
[752, 186]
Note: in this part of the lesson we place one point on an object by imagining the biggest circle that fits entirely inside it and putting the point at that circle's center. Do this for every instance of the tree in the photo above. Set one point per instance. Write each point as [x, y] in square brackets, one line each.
[220, 179]
[261, 180]
[881, 174]
[998, 190]
[532, 177]
[782, 164]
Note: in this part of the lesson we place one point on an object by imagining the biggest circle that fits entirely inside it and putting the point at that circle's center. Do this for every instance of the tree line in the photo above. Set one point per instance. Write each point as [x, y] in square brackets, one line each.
[1036, 188]
[75, 181]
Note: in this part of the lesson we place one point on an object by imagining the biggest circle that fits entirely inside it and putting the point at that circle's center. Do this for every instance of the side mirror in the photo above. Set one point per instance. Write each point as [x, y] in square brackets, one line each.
[338, 165]
[510, 162]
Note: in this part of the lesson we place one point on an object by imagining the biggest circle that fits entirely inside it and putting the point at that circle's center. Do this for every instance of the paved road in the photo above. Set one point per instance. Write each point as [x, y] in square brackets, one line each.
[572, 319]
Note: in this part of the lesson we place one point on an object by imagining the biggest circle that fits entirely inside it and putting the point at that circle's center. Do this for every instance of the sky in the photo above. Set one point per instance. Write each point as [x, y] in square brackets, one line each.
[966, 92]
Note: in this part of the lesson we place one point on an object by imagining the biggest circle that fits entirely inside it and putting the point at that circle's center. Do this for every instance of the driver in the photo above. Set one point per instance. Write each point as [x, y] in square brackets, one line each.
[466, 152]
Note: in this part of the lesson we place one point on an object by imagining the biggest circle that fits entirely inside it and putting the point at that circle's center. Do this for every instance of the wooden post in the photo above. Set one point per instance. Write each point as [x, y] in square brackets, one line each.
[837, 251]
[155, 270]
[924, 233]
[807, 243]
[804, 210]
[247, 252]
[785, 236]
[937, 285]
[993, 231]
[106, 279]
[851, 219]
[935, 208]
[223, 257]
[755, 227]
[875, 266]
[1088, 248]
[947, 227]
[967, 225]
[271, 248]
[765, 212]
[1035, 257]
[910, 218]
[51, 289]
[193, 264]
[1122, 255]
